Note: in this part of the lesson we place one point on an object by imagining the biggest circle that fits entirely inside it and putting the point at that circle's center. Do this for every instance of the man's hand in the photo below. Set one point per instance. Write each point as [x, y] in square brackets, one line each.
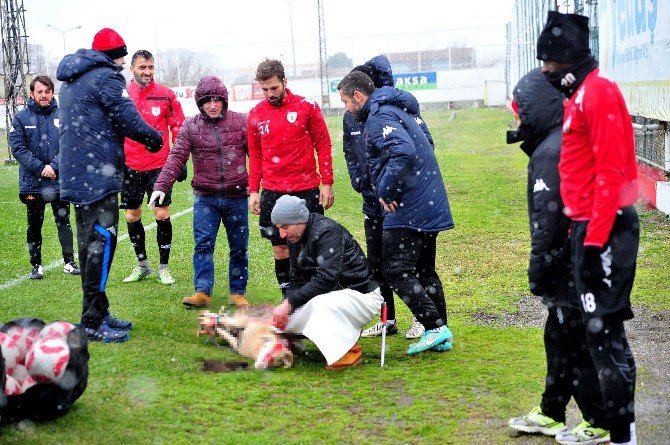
[156, 196]
[391, 208]
[280, 315]
[326, 198]
[255, 203]
[48, 172]
[592, 268]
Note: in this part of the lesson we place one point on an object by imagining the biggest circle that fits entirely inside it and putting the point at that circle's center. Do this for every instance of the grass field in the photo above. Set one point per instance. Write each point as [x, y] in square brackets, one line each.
[151, 389]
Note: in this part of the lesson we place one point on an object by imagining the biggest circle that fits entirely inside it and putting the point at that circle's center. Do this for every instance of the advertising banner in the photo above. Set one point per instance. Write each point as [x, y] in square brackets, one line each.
[635, 51]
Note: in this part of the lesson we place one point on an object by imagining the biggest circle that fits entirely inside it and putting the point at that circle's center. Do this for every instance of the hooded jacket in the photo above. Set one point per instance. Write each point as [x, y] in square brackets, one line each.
[402, 164]
[353, 144]
[33, 139]
[326, 258]
[96, 115]
[218, 146]
[541, 114]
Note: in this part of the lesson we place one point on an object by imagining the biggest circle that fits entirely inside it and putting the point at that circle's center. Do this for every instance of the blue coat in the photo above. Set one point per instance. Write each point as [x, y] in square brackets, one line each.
[33, 139]
[402, 164]
[353, 143]
[96, 114]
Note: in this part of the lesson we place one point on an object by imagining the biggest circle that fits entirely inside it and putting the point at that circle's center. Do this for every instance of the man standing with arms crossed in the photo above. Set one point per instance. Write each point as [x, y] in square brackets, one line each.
[159, 107]
[408, 183]
[599, 188]
[284, 132]
[95, 117]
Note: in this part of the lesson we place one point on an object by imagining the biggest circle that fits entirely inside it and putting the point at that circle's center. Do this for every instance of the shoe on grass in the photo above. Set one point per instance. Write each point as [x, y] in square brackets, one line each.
[376, 329]
[584, 434]
[164, 276]
[443, 347]
[197, 300]
[71, 268]
[430, 339]
[537, 423]
[106, 334]
[118, 324]
[139, 273]
[238, 300]
[416, 330]
[353, 357]
[37, 273]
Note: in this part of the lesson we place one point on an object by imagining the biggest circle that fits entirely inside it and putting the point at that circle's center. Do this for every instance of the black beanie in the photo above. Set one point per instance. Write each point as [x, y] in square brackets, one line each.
[564, 39]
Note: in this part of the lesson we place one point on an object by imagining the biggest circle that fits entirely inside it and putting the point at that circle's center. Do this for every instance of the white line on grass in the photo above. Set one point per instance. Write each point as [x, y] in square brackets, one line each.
[18, 280]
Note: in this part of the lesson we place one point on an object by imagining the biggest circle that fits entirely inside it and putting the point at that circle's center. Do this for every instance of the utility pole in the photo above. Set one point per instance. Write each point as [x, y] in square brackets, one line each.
[323, 58]
[15, 62]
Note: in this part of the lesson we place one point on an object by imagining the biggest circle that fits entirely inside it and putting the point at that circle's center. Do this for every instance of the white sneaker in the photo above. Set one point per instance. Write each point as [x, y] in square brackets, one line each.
[415, 331]
[376, 329]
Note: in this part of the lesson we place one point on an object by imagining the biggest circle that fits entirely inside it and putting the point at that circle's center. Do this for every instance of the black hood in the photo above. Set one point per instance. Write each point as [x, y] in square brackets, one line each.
[540, 110]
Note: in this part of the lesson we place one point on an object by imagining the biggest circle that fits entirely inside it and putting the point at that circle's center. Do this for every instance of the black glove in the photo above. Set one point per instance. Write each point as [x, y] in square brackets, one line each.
[592, 268]
[183, 174]
[155, 148]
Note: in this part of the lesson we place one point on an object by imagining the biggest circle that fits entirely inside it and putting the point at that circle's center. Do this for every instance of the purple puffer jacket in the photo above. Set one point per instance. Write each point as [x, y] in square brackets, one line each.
[218, 146]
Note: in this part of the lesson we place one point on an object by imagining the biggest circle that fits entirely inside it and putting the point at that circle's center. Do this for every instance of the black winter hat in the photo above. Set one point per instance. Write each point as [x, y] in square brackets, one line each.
[564, 39]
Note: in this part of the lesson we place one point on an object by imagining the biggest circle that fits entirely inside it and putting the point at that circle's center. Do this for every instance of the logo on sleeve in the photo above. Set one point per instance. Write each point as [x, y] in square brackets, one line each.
[540, 186]
[291, 117]
[387, 130]
[418, 120]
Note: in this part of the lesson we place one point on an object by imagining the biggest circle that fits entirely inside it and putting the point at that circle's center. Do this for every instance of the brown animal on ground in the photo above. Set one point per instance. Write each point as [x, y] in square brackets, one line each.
[250, 333]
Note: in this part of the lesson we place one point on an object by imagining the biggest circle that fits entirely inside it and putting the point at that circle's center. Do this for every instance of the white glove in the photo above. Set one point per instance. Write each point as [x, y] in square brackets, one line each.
[156, 196]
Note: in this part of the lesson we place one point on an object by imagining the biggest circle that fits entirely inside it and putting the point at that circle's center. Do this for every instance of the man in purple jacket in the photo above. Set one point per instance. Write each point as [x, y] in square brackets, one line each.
[217, 139]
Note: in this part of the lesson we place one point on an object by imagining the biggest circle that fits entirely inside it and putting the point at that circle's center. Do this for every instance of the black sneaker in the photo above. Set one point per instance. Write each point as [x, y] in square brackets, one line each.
[115, 323]
[37, 273]
[71, 268]
[106, 334]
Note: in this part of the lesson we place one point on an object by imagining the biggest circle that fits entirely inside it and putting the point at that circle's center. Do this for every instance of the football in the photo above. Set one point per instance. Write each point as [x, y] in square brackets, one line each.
[57, 329]
[47, 359]
[10, 350]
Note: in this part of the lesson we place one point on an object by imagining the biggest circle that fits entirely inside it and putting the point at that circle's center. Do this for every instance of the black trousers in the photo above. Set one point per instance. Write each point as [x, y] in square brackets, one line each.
[570, 368]
[605, 306]
[408, 258]
[97, 226]
[35, 205]
[373, 241]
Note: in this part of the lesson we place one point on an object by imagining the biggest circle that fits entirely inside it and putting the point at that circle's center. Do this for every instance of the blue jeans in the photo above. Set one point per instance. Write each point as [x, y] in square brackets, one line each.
[208, 212]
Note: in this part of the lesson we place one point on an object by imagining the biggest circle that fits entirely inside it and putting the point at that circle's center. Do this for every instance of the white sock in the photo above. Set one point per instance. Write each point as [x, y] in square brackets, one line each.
[633, 435]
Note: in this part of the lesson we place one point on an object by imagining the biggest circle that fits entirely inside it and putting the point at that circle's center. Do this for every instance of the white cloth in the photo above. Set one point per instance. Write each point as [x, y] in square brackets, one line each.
[333, 321]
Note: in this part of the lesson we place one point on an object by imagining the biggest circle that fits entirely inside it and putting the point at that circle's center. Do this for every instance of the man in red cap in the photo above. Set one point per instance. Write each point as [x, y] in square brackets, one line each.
[599, 188]
[96, 115]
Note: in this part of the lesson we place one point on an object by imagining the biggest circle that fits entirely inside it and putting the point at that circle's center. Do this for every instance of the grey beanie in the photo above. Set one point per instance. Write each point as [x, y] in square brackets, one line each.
[289, 210]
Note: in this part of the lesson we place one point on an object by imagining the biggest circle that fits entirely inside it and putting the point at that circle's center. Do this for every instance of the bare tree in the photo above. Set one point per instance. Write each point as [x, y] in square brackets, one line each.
[176, 67]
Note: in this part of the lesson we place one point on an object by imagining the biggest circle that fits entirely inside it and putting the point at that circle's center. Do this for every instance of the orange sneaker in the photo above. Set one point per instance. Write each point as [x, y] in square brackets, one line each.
[353, 357]
[238, 300]
[197, 300]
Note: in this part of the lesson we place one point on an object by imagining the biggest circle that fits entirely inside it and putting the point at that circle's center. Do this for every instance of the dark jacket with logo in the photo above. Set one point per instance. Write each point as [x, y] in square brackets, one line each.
[218, 147]
[96, 115]
[33, 139]
[326, 258]
[541, 113]
[402, 164]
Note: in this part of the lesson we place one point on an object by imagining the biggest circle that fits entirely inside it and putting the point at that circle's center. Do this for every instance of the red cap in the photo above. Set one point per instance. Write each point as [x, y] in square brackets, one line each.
[109, 42]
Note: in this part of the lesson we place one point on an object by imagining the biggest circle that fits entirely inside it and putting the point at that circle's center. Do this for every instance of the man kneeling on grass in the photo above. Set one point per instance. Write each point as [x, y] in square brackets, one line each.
[332, 294]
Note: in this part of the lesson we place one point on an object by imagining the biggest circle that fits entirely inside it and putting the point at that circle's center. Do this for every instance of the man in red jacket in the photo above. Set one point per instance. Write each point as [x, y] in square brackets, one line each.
[598, 187]
[159, 107]
[284, 132]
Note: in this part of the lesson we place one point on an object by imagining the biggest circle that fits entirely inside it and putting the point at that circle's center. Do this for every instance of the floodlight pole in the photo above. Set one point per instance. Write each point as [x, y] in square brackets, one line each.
[62, 33]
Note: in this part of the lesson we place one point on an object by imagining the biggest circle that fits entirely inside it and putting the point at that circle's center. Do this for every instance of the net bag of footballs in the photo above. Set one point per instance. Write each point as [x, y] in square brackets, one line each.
[43, 368]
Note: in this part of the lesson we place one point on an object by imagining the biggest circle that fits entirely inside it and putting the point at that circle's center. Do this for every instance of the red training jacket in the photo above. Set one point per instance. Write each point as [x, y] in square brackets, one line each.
[282, 141]
[597, 168]
[159, 108]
